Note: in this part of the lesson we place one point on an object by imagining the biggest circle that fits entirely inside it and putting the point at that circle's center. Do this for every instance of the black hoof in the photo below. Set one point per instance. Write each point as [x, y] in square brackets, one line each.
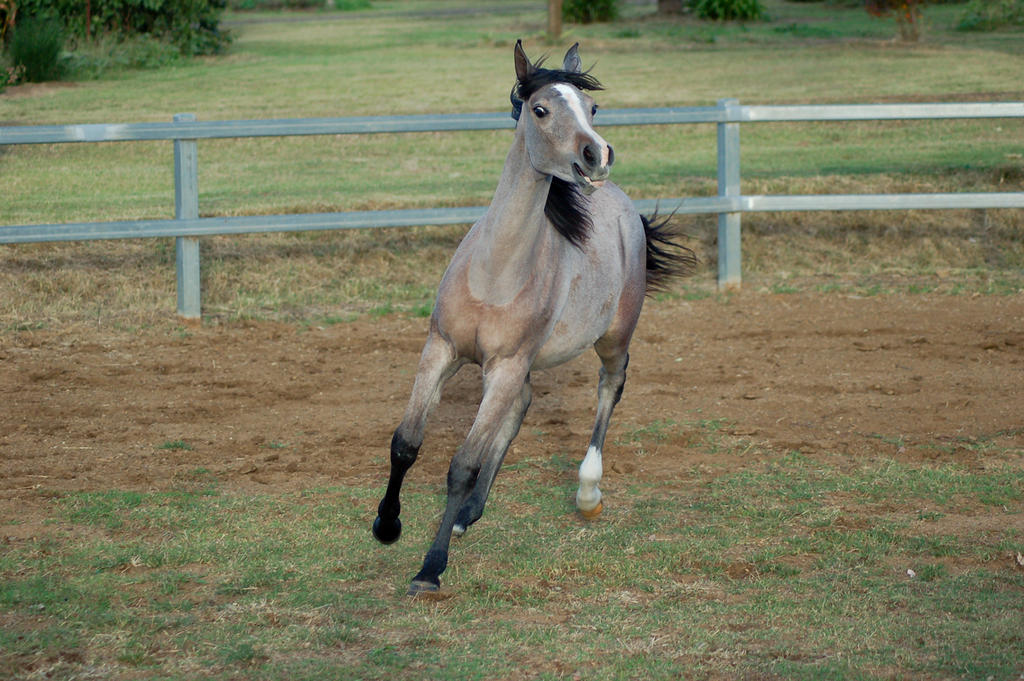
[420, 586]
[387, 532]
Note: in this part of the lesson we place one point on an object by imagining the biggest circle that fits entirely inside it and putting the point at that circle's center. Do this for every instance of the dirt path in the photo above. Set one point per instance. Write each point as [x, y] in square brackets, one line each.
[269, 407]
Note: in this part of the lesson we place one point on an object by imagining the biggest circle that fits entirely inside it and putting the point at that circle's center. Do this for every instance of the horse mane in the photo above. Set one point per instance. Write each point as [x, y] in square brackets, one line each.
[569, 211]
[566, 206]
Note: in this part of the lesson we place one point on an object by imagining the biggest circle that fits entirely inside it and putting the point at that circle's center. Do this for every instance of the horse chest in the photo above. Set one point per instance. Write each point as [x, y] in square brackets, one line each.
[550, 321]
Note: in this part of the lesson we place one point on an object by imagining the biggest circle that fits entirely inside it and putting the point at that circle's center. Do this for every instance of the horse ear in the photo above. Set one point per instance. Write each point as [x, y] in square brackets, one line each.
[572, 63]
[524, 67]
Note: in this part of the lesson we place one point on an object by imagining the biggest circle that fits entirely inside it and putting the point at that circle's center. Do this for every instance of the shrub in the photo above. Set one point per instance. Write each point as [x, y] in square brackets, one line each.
[907, 13]
[36, 47]
[345, 5]
[989, 15]
[91, 60]
[727, 10]
[191, 25]
[10, 75]
[589, 11]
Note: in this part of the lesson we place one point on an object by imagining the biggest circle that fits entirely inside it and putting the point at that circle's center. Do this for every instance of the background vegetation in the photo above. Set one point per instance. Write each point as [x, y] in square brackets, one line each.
[588, 11]
[193, 26]
[395, 59]
[988, 15]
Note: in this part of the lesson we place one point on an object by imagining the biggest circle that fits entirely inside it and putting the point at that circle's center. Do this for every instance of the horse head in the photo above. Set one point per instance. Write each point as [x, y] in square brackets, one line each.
[558, 125]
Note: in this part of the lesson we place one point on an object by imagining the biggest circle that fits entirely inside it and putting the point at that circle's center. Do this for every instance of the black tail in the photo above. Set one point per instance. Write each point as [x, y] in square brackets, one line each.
[666, 259]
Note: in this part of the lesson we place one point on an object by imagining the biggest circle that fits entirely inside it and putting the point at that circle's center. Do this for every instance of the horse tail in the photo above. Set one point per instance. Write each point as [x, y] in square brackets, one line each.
[666, 259]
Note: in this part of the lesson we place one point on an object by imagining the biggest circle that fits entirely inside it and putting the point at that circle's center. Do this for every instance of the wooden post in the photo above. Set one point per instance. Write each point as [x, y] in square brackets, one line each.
[554, 19]
[186, 207]
[729, 271]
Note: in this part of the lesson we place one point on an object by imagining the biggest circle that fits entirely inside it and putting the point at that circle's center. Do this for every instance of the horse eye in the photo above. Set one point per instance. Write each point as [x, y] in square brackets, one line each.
[540, 112]
[593, 110]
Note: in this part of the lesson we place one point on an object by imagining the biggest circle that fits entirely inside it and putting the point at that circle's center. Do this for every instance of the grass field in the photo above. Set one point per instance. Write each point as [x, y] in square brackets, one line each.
[765, 565]
[777, 567]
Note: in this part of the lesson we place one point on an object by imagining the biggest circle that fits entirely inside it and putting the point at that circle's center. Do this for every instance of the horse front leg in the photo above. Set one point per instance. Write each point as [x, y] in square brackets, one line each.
[474, 467]
[609, 392]
[437, 364]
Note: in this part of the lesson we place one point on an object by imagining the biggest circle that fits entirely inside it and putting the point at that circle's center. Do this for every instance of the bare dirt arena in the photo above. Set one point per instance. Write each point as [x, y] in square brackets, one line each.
[267, 407]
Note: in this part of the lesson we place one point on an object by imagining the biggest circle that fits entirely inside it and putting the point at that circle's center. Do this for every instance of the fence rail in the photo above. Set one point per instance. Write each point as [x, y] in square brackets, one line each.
[185, 131]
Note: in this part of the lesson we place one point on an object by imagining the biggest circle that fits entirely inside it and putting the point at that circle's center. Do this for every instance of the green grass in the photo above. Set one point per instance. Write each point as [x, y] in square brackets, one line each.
[293, 70]
[179, 445]
[791, 567]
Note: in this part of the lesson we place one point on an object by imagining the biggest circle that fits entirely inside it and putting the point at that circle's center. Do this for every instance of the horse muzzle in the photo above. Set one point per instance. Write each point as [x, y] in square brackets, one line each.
[595, 168]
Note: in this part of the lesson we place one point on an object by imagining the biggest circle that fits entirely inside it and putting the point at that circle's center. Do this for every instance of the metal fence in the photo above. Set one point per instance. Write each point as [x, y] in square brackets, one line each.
[729, 204]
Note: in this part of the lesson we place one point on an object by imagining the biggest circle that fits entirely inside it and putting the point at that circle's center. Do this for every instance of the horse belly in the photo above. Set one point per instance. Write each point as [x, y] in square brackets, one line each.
[607, 289]
[575, 331]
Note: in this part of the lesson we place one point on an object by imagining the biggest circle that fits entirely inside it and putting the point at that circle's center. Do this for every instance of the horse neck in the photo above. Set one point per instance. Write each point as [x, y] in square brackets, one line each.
[513, 231]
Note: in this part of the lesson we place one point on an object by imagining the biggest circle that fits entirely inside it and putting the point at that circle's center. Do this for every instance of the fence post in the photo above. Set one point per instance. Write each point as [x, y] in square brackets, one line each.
[186, 207]
[729, 272]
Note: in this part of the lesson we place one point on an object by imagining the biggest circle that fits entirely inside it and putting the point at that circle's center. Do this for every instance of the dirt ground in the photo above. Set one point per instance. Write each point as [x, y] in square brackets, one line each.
[269, 407]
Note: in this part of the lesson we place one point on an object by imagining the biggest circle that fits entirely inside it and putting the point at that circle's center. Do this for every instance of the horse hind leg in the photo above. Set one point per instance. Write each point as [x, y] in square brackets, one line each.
[609, 392]
[473, 508]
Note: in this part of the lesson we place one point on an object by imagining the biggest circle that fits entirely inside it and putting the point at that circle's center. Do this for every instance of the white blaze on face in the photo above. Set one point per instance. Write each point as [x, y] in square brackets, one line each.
[574, 99]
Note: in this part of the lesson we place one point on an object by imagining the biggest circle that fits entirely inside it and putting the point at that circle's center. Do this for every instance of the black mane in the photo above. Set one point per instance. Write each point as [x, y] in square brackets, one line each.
[569, 211]
[567, 208]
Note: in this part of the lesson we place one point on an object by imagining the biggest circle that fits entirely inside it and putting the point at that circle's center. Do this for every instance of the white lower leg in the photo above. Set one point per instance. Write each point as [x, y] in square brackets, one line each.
[588, 496]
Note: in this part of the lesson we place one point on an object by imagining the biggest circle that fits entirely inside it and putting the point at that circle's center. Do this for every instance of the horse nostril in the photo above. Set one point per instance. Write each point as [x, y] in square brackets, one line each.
[589, 157]
[611, 155]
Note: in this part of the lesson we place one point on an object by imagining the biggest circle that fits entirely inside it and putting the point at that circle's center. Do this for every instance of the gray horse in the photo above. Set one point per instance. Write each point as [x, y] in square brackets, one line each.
[560, 262]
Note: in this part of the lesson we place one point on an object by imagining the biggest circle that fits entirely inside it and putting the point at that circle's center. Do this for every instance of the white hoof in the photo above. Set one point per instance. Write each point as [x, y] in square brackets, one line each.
[589, 504]
[592, 513]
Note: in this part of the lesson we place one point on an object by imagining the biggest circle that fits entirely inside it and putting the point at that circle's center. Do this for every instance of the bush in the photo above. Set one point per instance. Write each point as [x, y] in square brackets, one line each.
[274, 4]
[94, 59]
[727, 10]
[589, 11]
[191, 25]
[345, 5]
[10, 75]
[36, 47]
[989, 15]
[907, 12]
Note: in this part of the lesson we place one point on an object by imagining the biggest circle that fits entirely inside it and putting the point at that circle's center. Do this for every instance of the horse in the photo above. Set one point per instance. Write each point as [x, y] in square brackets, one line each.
[561, 261]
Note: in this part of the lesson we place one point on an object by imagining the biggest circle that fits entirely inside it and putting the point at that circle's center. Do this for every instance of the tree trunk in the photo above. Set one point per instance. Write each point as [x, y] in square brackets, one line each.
[554, 19]
[670, 6]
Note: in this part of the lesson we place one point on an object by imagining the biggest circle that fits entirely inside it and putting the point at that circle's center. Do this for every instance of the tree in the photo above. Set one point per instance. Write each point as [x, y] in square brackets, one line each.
[589, 11]
[191, 25]
[554, 19]
[907, 12]
[728, 10]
